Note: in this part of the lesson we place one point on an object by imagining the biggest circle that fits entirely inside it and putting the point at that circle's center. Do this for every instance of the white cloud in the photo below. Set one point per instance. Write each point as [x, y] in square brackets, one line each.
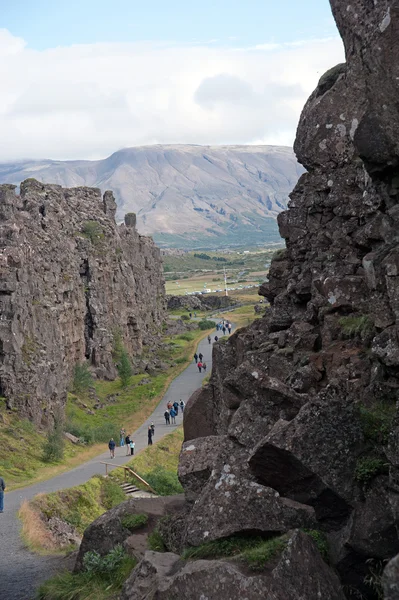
[86, 101]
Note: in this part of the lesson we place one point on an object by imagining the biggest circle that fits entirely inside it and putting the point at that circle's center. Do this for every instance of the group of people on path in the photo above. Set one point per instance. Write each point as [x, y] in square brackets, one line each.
[172, 411]
[224, 326]
[199, 361]
[125, 440]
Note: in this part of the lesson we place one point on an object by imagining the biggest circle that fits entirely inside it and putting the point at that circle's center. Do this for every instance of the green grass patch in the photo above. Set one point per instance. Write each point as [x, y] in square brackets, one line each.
[155, 542]
[255, 551]
[377, 421]
[206, 324]
[93, 231]
[356, 326]
[321, 542]
[158, 464]
[134, 521]
[102, 580]
[369, 467]
[81, 505]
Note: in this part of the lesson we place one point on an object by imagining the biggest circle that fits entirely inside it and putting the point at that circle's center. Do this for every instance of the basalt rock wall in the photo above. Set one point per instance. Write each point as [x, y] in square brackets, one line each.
[298, 427]
[70, 281]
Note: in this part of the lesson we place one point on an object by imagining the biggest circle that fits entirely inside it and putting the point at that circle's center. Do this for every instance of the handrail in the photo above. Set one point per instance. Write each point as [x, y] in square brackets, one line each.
[130, 471]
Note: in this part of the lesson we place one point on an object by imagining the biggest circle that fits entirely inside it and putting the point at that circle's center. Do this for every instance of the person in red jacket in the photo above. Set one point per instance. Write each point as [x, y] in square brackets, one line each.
[199, 365]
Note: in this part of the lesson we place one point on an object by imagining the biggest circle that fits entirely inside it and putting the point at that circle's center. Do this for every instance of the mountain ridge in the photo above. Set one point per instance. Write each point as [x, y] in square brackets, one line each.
[184, 194]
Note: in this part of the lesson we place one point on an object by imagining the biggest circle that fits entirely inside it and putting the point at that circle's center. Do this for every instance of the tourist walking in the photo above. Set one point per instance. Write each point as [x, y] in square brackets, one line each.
[169, 405]
[149, 436]
[152, 428]
[224, 330]
[204, 365]
[122, 436]
[2, 488]
[196, 357]
[199, 365]
[200, 356]
[131, 446]
[167, 417]
[216, 338]
[229, 327]
[209, 339]
[176, 407]
[173, 416]
[127, 442]
[111, 446]
[182, 405]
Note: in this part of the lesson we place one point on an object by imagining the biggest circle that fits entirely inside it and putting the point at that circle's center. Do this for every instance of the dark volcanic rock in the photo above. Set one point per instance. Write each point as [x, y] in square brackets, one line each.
[298, 574]
[70, 278]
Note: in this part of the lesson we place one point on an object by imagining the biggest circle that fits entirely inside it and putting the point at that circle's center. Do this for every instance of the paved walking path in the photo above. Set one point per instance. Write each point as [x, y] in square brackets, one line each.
[22, 571]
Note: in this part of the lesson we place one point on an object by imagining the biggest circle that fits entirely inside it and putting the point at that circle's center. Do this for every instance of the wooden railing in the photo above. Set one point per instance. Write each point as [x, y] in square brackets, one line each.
[128, 470]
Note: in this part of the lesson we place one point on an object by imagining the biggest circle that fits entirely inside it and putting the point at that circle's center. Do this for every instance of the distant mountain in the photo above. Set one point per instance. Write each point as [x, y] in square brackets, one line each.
[185, 196]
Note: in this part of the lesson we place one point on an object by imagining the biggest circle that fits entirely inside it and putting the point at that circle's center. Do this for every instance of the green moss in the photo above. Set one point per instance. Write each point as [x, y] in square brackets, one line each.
[258, 557]
[369, 467]
[134, 521]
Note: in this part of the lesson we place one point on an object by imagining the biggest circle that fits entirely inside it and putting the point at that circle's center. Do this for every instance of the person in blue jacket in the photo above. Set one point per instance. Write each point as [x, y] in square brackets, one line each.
[111, 446]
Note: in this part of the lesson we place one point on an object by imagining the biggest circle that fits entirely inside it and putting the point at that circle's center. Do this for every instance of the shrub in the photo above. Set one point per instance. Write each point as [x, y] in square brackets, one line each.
[93, 231]
[369, 467]
[124, 368]
[94, 563]
[82, 378]
[134, 521]
[53, 449]
[206, 324]
[187, 337]
[185, 318]
[164, 482]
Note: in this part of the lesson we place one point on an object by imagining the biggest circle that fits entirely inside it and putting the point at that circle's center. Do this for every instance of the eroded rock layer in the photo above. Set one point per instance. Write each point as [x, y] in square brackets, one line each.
[70, 281]
[298, 427]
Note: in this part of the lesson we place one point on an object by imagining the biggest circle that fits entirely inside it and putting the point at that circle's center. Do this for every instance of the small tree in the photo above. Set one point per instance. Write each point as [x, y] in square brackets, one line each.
[82, 378]
[124, 367]
[53, 449]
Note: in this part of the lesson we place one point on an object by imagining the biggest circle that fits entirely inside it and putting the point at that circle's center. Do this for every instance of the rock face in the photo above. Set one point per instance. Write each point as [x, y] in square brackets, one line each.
[298, 574]
[299, 426]
[199, 302]
[70, 281]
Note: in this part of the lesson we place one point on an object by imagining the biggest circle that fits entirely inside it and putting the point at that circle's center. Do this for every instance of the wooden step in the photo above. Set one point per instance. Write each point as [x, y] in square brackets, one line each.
[128, 488]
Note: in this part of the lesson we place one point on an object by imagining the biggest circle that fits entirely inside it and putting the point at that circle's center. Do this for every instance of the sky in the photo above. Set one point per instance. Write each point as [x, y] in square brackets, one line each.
[82, 79]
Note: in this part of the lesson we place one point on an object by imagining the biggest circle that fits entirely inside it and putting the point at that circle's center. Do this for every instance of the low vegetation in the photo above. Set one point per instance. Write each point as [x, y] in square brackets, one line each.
[53, 449]
[255, 551]
[368, 467]
[93, 231]
[377, 422]
[206, 324]
[356, 326]
[102, 578]
[132, 522]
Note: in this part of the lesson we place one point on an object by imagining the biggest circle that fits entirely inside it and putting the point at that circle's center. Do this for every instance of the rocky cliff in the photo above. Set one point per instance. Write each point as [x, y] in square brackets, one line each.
[70, 281]
[299, 427]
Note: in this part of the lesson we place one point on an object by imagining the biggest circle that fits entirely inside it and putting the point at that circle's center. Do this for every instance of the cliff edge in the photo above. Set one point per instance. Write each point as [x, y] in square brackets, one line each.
[70, 280]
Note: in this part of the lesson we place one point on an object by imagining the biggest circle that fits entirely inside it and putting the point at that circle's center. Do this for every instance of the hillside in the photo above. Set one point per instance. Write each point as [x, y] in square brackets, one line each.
[185, 195]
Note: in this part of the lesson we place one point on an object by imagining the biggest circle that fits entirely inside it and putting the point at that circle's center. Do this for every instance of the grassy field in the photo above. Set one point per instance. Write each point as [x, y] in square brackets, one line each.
[21, 445]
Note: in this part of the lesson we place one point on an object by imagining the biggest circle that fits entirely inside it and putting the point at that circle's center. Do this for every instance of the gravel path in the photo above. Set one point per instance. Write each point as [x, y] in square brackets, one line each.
[22, 571]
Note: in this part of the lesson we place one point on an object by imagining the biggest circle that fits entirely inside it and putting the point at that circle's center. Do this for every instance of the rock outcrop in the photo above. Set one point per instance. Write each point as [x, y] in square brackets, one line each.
[199, 302]
[298, 426]
[70, 281]
[298, 574]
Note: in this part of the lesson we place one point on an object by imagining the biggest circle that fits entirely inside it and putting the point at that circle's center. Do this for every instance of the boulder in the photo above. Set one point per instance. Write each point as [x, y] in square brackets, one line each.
[390, 579]
[298, 573]
[312, 459]
[107, 531]
[197, 460]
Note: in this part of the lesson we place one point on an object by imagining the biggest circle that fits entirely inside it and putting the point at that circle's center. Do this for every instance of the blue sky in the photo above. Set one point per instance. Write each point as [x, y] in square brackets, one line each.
[47, 23]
